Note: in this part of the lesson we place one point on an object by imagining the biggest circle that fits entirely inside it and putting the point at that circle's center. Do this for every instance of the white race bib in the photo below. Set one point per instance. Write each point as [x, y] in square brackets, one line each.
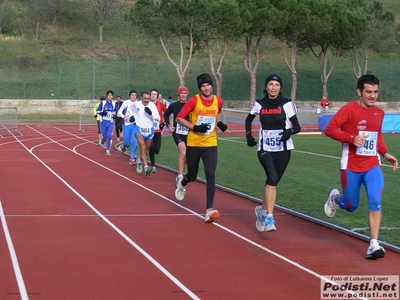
[209, 120]
[271, 140]
[145, 131]
[369, 146]
[181, 129]
[108, 116]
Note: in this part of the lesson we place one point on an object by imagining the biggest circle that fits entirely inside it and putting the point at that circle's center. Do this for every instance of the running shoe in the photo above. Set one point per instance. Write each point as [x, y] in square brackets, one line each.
[261, 217]
[99, 143]
[123, 148]
[180, 191]
[330, 205]
[270, 224]
[132, 161]
[211, 215]
[148, 170]
[108, 153]
[102, 143]
[154, 170]
[139, 167]
[178, 179]
[375, 251]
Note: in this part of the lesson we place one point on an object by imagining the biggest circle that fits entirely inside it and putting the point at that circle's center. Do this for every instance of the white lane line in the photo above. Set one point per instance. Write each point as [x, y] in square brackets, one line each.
[14, 258]
[279, 256]
[299, 151]
[119, 231]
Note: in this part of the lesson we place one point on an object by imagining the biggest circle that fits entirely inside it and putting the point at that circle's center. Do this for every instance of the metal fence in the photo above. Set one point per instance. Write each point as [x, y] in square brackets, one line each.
[25, 78]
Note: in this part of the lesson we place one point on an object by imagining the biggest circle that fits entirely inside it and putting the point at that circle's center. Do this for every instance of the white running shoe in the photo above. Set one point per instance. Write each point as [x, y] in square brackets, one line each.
[261, 217]
[211, 215]
[330, 205]
[375, 251]
[270, 224]
[180, 191]
[178, 180]
[108, 153]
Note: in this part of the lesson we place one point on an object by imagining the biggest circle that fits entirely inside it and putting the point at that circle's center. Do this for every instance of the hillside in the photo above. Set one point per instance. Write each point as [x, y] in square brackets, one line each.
[126, 58]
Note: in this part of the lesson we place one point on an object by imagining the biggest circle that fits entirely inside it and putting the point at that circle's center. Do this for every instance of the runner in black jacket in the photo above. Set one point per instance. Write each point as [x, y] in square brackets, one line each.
[179, 132]
[278, 119]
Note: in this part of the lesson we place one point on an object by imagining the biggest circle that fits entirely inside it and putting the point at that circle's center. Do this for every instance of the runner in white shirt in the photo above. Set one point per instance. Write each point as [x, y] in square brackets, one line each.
[127, 112]
[147, 116]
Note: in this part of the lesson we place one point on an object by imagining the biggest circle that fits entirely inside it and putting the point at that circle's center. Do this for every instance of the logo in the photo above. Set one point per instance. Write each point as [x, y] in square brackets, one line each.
[271, 111]
[362, 125]
[359, 286]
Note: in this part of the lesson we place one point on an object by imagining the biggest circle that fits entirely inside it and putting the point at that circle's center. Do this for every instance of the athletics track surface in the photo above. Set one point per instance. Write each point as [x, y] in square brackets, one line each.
[79, 225]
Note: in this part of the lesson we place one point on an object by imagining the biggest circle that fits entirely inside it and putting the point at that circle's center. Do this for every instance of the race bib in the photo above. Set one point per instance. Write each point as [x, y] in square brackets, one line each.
[209, 120]
[108, 116]
[369, 146]
[145, 131]
[181, 129]
[271, 140]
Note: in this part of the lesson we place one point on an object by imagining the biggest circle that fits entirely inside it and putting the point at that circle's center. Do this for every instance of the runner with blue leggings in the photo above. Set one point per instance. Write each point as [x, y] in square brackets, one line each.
[107, 111]
[127, 112]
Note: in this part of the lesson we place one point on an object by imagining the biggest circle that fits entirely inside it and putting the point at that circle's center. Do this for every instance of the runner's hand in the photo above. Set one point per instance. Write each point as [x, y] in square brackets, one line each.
[285, 135]
[222, 126]
[251, 141]
[200, 128]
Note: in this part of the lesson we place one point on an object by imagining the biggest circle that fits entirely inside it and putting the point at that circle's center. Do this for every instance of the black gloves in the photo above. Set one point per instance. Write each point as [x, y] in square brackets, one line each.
[148, 111]
[200, 128]
[132, 119]
[285, 135]
[222, 126]
[162, 125]
[95, 116]
[103, 113]
[251, 141]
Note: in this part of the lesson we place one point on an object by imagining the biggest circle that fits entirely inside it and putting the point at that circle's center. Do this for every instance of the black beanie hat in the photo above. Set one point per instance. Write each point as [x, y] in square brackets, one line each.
[275, 77]
[204, 78]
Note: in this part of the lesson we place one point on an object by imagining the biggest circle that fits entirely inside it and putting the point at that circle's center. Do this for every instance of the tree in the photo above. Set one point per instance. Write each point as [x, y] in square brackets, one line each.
[38, 14]
[334, 26]
[292, 32]
[5, 13]
[54, 9]
[223, 21]
[258, 19]
[378, 34]
[172, 22]
[104, 10]
[42, 12]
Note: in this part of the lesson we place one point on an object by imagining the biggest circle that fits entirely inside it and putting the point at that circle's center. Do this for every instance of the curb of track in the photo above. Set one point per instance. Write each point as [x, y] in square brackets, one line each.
[349, 232]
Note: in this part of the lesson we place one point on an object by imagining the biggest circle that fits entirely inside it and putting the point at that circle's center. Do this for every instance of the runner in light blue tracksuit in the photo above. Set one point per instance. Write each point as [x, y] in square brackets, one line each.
[127, 112]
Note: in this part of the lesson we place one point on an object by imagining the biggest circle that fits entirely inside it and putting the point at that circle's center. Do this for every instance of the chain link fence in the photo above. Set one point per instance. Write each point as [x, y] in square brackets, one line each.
[27, 78]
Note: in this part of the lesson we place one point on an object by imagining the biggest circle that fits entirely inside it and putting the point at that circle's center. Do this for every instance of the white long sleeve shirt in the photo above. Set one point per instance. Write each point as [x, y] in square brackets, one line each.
[127, 109]
[143, 119]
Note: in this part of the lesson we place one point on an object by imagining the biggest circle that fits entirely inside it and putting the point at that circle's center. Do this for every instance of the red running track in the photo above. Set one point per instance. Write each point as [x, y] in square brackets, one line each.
[77, 224]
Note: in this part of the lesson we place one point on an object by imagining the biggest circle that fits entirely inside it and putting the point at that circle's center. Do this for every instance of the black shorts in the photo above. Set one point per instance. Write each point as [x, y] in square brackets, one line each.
[179, 138]
[274, 164]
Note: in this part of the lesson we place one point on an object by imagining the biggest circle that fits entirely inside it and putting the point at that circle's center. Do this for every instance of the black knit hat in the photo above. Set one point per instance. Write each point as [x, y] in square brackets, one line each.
[204, 78]
[275, 77]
